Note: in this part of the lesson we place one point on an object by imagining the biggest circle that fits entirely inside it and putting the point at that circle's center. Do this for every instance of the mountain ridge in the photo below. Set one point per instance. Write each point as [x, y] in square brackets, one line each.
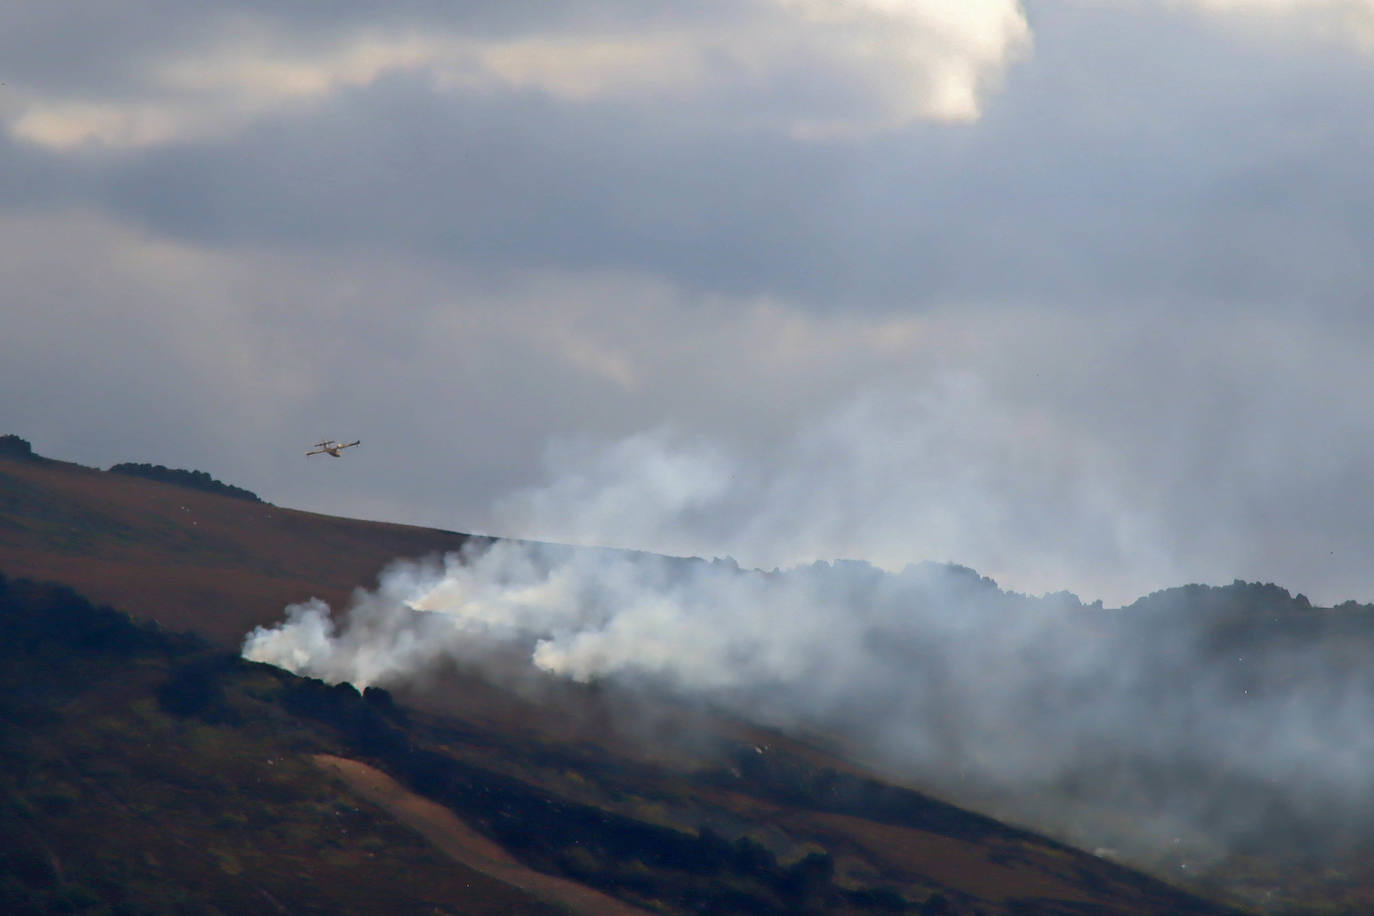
[138, 543]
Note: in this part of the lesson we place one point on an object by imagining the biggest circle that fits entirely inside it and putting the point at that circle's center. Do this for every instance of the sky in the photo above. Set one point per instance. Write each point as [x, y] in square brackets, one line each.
[1074, 293]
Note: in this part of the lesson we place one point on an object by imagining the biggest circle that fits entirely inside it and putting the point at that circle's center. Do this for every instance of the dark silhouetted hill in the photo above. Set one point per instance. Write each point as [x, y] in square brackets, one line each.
[12, 446]
[196, 480]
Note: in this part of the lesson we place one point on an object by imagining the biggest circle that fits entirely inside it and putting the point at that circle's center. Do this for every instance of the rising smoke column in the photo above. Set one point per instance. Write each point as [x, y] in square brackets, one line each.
[1064, 711]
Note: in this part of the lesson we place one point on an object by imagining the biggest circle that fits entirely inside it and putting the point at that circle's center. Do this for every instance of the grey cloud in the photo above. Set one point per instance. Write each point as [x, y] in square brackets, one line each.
[91, 48]
[1099, 178]
[518, 181]
[33, 181]
[79, 45]
[1150, 245]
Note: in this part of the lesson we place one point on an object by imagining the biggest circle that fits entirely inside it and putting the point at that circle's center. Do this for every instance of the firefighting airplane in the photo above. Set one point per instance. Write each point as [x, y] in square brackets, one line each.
[331, 448]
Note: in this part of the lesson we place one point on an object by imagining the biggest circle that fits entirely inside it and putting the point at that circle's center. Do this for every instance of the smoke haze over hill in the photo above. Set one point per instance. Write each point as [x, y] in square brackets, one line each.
[1214, 716]
[943, 472]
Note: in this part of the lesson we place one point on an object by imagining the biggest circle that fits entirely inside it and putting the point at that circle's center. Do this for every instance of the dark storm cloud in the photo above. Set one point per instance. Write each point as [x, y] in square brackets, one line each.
[706, 188]
[515, 180]
[1103, 176]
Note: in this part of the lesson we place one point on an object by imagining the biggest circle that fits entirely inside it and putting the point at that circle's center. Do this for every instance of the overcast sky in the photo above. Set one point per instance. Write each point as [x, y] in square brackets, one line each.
[1076, 293]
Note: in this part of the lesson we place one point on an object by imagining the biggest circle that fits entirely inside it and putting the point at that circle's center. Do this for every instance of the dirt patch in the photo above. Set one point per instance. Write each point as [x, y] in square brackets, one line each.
[464, 845]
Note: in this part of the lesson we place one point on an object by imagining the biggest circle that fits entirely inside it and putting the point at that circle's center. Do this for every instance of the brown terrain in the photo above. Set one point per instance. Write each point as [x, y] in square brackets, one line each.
[189, 560]
[540, 801]
[461, 843]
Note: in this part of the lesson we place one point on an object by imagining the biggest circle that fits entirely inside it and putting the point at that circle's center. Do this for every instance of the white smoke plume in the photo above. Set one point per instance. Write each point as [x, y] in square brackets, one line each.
[945, 471]
[1049, 711]
[828, 636]
[1062, 714]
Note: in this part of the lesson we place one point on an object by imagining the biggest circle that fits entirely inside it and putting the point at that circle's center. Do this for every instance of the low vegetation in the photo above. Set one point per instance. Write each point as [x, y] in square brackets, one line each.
[196, 480]
[12, 446]
[146, 772]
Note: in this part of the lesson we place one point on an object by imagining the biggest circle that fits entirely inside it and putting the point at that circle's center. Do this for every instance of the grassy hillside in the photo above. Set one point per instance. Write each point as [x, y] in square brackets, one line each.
[149, 772]
[146, 774]
[187, 558]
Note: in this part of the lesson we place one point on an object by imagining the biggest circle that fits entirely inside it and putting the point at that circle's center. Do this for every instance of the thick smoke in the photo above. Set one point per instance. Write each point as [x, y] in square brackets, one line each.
[1128, 728]
[1172, 730]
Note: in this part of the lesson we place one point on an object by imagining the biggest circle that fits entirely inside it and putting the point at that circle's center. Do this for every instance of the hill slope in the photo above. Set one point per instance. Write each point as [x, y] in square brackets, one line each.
[187, 558]
[147, 772]
[740, 820]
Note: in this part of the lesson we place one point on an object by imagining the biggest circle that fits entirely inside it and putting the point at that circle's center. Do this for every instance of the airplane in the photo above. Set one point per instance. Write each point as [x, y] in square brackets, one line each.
[331, 448]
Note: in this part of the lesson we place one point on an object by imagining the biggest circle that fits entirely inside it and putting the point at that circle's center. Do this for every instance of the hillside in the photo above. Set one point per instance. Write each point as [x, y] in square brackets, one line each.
[241, 783]
[215, 776]
[186, 558]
